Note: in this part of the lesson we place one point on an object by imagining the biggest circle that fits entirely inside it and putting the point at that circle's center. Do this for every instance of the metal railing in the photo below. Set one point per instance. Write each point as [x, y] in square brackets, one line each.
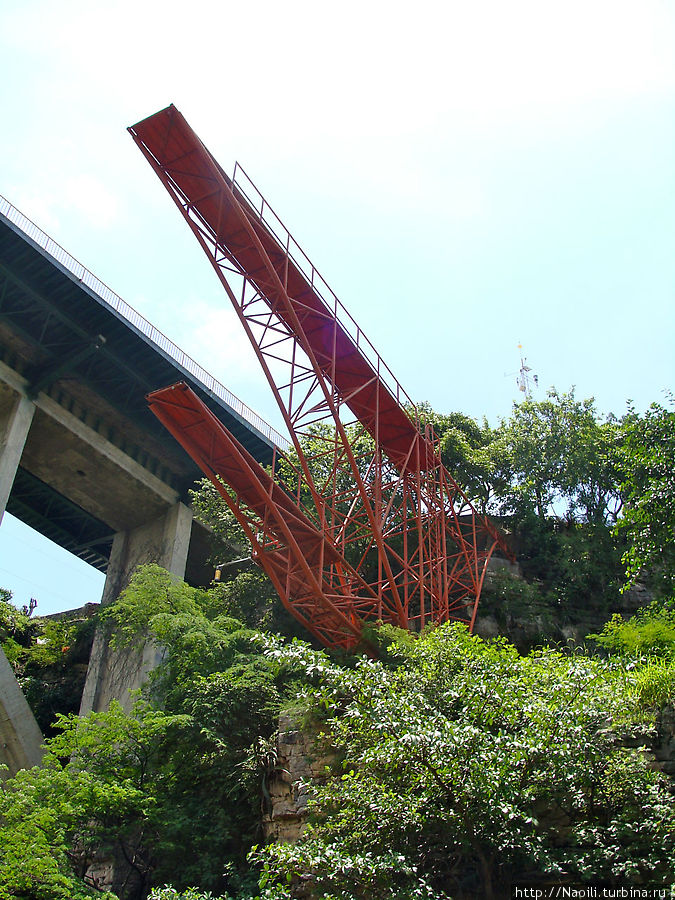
[114, 301]
[271, 221]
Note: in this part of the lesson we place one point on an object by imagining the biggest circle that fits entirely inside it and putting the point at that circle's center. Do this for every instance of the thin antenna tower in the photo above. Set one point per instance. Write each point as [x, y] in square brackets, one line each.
[524, 379]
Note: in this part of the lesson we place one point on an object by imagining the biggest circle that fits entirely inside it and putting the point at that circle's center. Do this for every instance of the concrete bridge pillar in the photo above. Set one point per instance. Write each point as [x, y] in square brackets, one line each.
[114, 674]
[14, 427]
[20, 735]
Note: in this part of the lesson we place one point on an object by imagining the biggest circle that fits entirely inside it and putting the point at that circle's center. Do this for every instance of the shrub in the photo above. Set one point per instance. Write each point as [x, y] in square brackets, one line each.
[650, 632]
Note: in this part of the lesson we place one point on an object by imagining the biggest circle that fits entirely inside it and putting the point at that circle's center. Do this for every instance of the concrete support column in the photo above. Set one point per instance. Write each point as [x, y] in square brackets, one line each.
[164, 541]
[112, 675]
[14, 428]
[20, 736]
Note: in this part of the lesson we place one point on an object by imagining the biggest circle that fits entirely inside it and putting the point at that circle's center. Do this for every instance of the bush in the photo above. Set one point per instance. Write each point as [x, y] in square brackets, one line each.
[170, 893]
[650, 632]
[17, 629]
[654, 684]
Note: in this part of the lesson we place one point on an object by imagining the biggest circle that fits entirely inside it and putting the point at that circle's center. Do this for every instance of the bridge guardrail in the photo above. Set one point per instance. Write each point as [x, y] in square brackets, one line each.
[109, 297]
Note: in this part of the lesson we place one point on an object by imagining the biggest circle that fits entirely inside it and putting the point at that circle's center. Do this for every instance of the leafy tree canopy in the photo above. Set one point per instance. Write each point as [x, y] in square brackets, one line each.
[175, 788]
[648, 523]
[466, 765]
[456, 762]
[48, 657]
[453, 764]
[16, 627]
[558, 457]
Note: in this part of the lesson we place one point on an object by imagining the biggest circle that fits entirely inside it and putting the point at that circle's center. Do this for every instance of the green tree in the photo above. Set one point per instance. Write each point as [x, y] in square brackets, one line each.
[466, 765]
[53, 820]
[170, 893]
[465, 451]
[17, 629]
[648, 520]
[221, 697]
[174, 789]
[558, 465]
[150, 790]
[557, 457]
[49, 658]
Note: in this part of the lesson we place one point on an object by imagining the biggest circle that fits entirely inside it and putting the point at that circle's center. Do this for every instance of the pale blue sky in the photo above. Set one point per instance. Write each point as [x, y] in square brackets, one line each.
[467, 176]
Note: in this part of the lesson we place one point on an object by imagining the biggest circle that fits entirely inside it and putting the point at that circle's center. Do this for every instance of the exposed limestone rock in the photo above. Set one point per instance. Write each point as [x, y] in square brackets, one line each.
[299, 763]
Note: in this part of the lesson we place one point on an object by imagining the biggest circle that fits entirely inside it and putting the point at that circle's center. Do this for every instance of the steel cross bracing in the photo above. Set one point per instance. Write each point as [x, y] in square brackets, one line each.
[362, 522]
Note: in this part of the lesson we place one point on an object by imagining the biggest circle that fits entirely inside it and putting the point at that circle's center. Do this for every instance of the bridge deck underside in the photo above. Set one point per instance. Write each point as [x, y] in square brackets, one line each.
[62, 343]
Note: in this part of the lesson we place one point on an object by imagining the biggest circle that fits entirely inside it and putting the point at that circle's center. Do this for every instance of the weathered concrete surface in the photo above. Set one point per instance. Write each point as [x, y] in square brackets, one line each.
[151, 522]
[78, 461]
[20, 738]
[115, 674]
[15, 421]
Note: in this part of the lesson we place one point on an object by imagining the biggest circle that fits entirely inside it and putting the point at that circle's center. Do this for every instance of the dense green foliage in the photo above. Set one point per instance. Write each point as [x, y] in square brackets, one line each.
[49, 657]
[648, 460]
[551, 457]
[174, 789]
[650, 632]
[557, 456]
[647, 641]
[225, 694]
[453, 764]
[17, 630]
[587, 500]
[465, 765]
[44, 818]
[170, 893]
[551, 473]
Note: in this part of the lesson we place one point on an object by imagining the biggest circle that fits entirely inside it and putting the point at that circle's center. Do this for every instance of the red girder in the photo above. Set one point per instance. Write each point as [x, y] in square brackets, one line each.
[417, 550]
[171, 145]
[293, 552]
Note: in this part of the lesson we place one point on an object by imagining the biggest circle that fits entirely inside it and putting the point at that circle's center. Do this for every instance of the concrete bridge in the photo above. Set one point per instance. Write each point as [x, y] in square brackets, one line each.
[82, 460]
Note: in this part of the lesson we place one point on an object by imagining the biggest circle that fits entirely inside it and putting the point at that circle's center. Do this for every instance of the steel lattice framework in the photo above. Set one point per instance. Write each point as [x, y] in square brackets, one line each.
[361, 521]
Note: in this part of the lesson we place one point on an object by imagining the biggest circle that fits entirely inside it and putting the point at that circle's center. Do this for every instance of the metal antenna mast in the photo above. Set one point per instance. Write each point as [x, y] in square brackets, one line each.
[525, 380]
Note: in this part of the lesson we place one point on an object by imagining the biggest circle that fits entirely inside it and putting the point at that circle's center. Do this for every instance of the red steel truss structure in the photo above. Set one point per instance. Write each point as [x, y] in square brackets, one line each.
[361, 521]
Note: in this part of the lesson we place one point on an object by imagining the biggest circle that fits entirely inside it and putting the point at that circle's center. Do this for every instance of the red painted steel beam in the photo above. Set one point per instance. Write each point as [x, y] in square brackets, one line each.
[167, 139]
[294, 553]
[402, 505]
